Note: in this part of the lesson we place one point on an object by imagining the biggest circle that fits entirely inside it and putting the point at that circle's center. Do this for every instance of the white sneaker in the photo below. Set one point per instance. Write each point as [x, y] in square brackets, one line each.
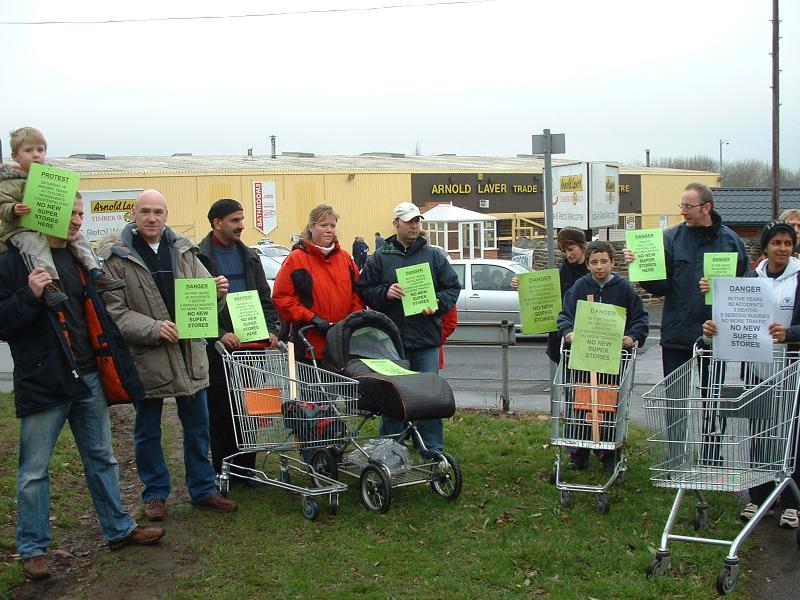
[789, 519]
[748, 512]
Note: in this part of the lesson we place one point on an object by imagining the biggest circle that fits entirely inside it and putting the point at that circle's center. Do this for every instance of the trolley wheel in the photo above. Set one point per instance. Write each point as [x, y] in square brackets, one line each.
[566, 499]
[446, 477]
[324, 462]
[310, 508]
[658, 568]
[603, 504]
[726, 580]
[376, 489]
[554, 475]
[700, 519]
[333, 504]
[223, 485]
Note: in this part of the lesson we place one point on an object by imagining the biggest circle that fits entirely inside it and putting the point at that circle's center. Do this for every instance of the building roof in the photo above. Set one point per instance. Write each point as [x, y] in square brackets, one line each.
[98, 164]
[752, 206]
[447, 213]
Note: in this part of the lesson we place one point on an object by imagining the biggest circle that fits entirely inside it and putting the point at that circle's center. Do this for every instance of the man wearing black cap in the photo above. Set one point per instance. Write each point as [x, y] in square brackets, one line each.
[223, 253]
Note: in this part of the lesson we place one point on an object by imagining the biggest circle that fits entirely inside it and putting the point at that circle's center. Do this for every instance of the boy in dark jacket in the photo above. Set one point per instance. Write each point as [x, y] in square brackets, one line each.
[606, 287]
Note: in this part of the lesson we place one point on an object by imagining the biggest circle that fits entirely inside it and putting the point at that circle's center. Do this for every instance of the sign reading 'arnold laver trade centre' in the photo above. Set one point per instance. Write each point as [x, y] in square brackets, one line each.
[493, 193]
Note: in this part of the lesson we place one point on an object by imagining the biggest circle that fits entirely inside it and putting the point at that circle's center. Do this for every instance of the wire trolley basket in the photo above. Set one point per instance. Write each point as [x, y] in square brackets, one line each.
[278, 406]
[708, 434]
[589, 412]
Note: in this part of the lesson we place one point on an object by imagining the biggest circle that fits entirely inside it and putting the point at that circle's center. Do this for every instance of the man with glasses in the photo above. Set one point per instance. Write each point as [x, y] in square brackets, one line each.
[685, 309]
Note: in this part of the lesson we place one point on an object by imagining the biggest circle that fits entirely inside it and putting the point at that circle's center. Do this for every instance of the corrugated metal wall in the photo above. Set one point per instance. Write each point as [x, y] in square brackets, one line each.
[363, 201]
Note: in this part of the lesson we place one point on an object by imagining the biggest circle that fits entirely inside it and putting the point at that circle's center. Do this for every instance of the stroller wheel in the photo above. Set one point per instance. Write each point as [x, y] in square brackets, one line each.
[324, 463]
[446, 477]
[376, 489]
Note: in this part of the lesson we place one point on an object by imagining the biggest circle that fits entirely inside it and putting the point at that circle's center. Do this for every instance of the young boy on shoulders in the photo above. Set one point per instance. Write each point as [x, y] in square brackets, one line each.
[28, 146]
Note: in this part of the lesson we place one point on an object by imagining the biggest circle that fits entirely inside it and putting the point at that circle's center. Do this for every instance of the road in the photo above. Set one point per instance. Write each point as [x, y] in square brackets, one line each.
[474, 373]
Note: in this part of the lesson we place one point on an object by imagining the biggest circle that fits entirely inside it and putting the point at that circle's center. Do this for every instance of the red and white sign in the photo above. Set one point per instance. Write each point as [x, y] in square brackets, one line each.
[265, 206]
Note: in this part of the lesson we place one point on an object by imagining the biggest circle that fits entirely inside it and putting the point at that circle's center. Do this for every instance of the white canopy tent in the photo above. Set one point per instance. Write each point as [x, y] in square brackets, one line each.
[462, 233]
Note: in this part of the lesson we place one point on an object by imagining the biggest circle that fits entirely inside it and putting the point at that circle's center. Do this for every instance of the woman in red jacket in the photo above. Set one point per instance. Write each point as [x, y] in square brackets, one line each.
[316, 283]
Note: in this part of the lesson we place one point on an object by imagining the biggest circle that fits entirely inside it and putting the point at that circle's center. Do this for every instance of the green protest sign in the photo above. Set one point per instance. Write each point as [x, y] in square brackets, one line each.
[718, 264]
[597, 337]
[384, 366]
[247, 316]
[417, 284]
[648, 247]
[196, 308]
[50, 194]
[539, 300]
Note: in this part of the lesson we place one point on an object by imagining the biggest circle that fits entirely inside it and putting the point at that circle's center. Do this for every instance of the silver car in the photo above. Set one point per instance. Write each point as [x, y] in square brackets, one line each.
[486, 292]
[272, 257]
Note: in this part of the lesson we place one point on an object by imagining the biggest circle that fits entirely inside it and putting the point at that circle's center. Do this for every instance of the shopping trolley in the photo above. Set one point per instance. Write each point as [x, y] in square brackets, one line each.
[590, 410]
[709, 435]
[278, 406]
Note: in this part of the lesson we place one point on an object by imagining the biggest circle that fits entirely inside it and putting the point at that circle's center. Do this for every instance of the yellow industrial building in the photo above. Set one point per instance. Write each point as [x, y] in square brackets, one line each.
[363, 189]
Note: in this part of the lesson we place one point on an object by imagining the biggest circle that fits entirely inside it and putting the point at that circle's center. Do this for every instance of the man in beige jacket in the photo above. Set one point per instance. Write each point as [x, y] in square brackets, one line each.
[149, 257]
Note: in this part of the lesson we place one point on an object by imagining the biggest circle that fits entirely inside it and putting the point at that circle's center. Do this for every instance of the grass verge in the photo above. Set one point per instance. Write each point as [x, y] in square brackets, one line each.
[505, 537]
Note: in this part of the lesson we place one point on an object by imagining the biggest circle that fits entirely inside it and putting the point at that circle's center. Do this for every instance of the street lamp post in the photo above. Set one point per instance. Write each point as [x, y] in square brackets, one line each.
[721, 142]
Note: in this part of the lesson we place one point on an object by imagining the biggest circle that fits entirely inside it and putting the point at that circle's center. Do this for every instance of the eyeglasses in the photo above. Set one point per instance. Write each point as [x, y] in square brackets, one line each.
[688, 206]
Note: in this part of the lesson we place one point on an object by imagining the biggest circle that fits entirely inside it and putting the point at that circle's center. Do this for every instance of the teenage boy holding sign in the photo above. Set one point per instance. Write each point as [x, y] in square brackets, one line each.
[605, 287]
[28, 147]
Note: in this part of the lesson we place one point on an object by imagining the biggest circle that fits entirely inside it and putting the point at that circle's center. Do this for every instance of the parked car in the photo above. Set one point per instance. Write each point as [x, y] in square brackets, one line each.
[486, 292]
[270, 249]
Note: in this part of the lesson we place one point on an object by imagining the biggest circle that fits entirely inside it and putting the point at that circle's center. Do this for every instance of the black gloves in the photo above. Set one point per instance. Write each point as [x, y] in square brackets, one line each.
[321, 324]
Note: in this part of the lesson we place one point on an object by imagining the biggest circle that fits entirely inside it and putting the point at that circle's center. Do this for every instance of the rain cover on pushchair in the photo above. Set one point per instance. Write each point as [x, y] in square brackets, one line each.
[369, 334]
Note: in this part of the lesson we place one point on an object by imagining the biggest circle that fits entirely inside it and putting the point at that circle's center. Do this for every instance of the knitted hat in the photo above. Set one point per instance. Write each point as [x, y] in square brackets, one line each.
[572, 235]
[222, 208]
[772, 228]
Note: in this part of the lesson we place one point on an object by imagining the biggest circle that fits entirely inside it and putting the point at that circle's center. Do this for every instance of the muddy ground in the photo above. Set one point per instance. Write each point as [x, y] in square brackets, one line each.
[78, 559]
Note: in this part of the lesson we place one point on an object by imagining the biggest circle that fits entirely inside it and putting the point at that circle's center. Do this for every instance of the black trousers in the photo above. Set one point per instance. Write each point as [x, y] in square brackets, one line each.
[220, 421]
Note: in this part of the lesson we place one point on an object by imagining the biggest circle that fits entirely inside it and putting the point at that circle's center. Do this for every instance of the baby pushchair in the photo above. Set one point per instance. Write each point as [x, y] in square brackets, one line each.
[384, 463]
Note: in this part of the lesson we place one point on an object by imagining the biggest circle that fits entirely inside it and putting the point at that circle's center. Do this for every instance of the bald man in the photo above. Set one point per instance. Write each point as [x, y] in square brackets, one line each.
[149, 257]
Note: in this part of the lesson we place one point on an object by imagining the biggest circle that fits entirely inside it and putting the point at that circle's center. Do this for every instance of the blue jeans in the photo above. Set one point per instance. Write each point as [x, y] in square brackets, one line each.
[153, 471]
[91, 428]
[425, 360]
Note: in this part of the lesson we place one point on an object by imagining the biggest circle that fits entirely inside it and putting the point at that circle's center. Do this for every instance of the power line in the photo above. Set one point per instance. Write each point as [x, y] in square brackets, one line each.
[249, 15]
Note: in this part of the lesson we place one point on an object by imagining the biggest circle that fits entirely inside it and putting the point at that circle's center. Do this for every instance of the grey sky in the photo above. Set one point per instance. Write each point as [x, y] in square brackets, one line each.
[615, 77]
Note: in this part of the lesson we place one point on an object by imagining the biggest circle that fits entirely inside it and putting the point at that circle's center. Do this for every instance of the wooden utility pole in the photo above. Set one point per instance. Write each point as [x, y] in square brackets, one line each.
[776, 165]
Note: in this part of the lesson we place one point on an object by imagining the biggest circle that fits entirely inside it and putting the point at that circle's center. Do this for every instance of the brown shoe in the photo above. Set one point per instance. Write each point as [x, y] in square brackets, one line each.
[104, 282]
[141, 536]
[36, 568]
[53, 295]
[155, 510]
[217, 502]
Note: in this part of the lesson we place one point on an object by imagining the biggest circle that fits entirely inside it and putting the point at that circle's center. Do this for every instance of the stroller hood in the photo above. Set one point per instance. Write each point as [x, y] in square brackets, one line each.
[363, 334]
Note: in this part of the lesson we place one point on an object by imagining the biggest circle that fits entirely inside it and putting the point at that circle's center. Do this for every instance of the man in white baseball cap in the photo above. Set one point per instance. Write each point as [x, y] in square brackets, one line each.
[421, 333]
[406, 211]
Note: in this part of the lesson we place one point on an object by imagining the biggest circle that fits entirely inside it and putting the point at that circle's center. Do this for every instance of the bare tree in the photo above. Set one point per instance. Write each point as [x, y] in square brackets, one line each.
[698, 162]
[746, 173]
